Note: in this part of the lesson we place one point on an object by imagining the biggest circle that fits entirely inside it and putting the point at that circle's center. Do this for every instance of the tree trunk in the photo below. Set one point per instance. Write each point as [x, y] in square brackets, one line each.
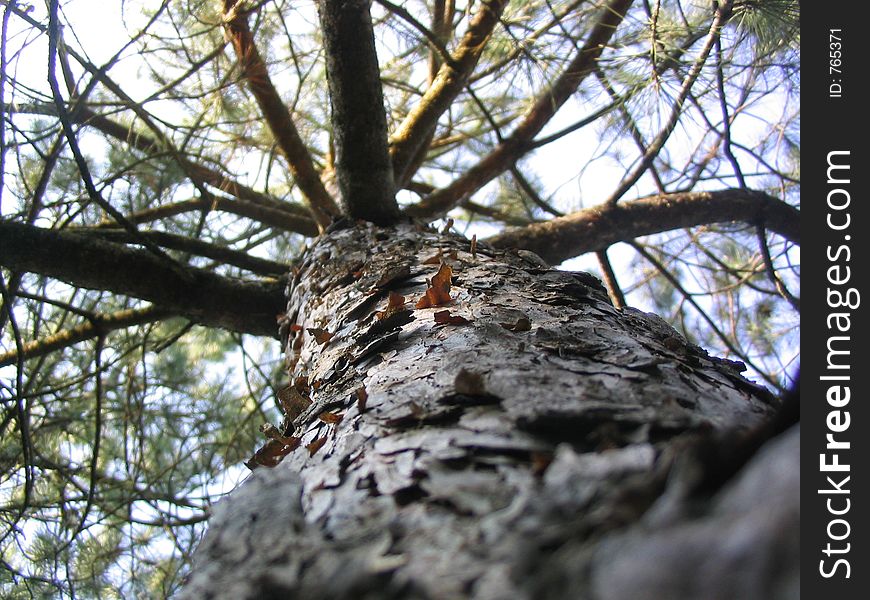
[531, 442]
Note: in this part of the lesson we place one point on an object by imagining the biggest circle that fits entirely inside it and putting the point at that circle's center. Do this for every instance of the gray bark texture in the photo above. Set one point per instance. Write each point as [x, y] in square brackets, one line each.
[534, 443]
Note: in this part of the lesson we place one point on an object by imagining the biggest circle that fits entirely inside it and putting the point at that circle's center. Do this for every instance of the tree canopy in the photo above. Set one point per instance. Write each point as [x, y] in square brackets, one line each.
[163, 164]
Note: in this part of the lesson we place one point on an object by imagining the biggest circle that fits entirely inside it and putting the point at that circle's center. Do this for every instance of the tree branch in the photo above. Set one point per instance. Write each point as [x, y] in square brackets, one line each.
[420, 123]
[729, 343]
[518, 143]
[222, 254]
[100, 325]
[276, 114]
[270, 217]
[201, 296]
[362, 162]
[596, 228]
[656, 146]
[197, 171]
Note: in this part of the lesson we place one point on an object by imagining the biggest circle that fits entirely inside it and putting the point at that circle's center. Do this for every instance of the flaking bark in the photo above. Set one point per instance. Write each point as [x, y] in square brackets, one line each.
[542, 444]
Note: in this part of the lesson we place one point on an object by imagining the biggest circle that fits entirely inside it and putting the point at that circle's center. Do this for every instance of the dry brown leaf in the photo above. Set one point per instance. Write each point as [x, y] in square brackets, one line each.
[395, 303]
[301, 384]
[321, 336]
[474, 246]
[435, 259]
[540, 462]
[362, 397]
[330, 417]
[272, 453]
[438, 292]
[316, 445]
[443, 317]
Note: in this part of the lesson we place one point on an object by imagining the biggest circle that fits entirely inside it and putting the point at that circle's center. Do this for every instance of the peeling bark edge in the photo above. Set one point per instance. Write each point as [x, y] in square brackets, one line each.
[202, 296]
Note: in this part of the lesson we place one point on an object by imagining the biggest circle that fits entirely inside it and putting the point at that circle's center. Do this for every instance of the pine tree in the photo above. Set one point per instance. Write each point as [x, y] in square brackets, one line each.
[381, 188]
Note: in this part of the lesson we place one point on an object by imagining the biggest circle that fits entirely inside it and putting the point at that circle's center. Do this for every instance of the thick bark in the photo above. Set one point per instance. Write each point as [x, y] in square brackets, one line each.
[199, 295]
[536, 443]
[362, 161]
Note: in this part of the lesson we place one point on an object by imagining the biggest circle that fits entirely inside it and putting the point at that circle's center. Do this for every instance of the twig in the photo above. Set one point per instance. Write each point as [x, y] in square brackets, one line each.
[613, 289]
[658, 143]
[21, 412]
[98, 325]
[84, 171]
[729, 344]
[771, 271]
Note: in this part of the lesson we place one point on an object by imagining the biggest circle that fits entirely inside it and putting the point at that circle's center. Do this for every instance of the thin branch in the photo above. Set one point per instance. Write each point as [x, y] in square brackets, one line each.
[771, 271]
[4, 33]
[98, 325]
[276, 114]
[533, 194]
[495, 214]
[522, 46]
[726, 118]
[419, 124]
[577, 125]
[221, 254]
[99, 74]
[199, 295]
[98, 436]
[656, 146]
[630, 123]
[271, 217]
[712, 324]
[519, 142]
[613, 289]
[433, 39]
[198, 172]
[84, 171]
[22, 413]
[601, 226]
